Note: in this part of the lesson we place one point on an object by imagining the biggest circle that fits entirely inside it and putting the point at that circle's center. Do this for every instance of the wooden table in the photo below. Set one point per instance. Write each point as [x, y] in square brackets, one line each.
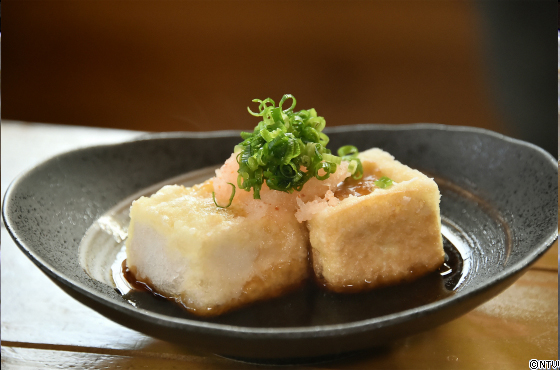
[42, 327]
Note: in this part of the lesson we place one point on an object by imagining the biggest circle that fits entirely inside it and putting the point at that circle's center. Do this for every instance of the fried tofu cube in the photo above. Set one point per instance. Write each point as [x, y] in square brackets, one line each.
[211, 259]
[375, 237]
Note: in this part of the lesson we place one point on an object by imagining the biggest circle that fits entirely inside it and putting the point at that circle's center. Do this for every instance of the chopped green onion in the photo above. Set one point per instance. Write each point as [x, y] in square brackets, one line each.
[332, 158]
[245, 135]
[347, 150]
[253, 164]
[266, 135]
[230, 198]
[384, 182]
[352, 166]
[288, 148]
[350, 153]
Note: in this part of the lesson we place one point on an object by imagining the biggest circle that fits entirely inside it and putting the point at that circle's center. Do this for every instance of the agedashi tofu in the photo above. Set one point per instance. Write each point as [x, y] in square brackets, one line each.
[211, 259]
[376, 237]
[283, 203]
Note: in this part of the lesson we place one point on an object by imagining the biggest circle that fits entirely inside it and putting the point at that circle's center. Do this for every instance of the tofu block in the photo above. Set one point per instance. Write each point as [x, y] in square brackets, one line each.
[212, 259]
[376, 237]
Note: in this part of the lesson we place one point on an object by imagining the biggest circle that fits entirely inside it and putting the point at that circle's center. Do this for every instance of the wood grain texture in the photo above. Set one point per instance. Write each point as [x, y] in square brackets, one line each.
[549, 261]
[20, 358]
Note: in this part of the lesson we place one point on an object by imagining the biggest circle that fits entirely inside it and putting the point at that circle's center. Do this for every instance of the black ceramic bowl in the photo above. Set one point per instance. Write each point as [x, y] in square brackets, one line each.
[499, 195]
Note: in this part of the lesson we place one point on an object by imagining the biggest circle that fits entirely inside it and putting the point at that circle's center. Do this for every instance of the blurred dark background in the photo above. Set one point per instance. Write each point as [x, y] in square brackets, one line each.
[196, 65]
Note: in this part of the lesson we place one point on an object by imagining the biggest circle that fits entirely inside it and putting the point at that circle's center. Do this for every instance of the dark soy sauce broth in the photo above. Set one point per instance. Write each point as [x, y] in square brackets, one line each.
[312, 305]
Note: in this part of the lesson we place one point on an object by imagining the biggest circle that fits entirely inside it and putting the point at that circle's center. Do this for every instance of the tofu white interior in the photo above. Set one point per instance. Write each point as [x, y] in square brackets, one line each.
[212, 259]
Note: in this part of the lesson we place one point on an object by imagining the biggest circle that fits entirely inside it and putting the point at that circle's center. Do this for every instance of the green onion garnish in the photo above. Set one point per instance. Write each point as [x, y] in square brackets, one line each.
[350, 153]
[384, 182]
[287, 148]
[230, 197]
